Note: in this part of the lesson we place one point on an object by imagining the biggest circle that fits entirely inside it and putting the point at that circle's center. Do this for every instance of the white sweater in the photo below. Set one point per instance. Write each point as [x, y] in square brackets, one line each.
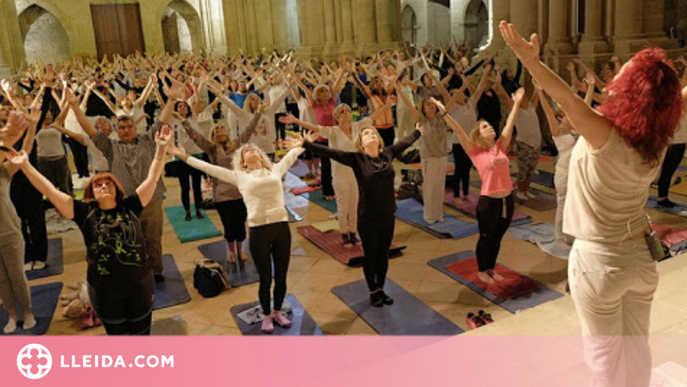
[262, 189]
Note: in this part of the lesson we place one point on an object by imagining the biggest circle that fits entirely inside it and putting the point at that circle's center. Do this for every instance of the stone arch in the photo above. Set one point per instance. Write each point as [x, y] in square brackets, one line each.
[44, 37]
[477, 25]
[181, 27]
[409, 24]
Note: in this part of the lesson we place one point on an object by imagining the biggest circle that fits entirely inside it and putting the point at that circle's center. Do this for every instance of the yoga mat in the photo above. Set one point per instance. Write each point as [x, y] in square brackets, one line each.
[302, 323]
[408, 316]
[469, 208]
[172, 291]
[302, 190]
[670, 374]
[296, 206]
[327, 225]
[241, 272]
[680, 209]
[544, 178]
[318, 198]
[173, 326]
[680, 188]
[674, 238]
[411, 211]
[540, 296]
[54, 265]
[544, 236]
[44, 301]
[194, 230]
[542, 202]
[299, 169]
[332, 243]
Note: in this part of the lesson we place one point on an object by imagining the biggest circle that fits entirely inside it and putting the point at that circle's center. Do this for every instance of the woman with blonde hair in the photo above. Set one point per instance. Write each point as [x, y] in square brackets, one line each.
[495, 206]
[260, 183]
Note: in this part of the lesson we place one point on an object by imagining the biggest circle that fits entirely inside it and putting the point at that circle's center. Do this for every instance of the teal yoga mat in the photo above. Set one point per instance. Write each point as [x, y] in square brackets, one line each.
[194, 230]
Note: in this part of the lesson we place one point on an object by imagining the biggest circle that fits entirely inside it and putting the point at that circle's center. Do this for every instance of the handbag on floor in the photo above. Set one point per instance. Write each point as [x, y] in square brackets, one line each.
[209, 278]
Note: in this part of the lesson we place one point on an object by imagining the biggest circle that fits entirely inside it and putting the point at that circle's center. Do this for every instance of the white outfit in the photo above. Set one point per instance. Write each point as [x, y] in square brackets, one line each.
[264, 142]
[344, 181]
[612, 276]
[406, 121]
[564, 143]
[527, 124]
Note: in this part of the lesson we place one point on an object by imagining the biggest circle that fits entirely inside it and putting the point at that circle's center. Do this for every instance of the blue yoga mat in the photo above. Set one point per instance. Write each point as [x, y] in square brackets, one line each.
[54, 265]
[318, 198]
[172, 291]
[240, 273]
[408, 316]
[544, 294]
[44, 301]
[411, 212]
[544, 178]
[193, 230]
[302, 323]
[680, 209]
[543, 235]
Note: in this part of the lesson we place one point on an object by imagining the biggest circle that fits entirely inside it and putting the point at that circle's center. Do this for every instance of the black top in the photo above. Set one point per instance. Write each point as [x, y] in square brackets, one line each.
[375, 176]
[489, 109]
[115, 243]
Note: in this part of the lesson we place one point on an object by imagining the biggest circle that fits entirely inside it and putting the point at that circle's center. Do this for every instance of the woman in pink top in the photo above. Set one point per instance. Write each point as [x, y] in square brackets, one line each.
[495, 205]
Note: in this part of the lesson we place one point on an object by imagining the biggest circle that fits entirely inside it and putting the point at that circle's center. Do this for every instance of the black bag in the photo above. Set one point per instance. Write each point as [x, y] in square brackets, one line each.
[209, 278]
[411, 186]
[411, 156]
[173, 168]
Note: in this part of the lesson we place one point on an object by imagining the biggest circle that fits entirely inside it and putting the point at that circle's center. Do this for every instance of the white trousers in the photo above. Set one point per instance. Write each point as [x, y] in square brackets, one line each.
[613, 286]
[433, 188]
[560, 181]
[406, 122]
[346, 188]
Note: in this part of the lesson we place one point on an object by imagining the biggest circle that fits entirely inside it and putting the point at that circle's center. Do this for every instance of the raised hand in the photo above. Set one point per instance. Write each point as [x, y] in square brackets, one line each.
[262, 107]
[19, 159]
[311, 136]
[163, 137]
[177, 151]
[571, 67]
[439, 105]
[518, 96]
[527, 51]
[289, 119]
[16, 124]
[420, 128]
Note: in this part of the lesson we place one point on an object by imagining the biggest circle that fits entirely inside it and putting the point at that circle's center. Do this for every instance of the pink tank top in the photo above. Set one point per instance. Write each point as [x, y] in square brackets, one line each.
[493, 167]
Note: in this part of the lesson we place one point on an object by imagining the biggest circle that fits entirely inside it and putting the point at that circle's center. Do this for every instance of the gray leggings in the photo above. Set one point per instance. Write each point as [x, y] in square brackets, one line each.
[14, 287]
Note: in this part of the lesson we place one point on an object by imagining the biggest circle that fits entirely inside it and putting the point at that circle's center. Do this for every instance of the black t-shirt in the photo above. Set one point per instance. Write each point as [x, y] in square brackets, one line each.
[115, 243]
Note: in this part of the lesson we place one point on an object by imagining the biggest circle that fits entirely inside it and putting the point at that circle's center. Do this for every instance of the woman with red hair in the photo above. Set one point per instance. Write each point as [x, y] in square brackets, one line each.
[611, 271]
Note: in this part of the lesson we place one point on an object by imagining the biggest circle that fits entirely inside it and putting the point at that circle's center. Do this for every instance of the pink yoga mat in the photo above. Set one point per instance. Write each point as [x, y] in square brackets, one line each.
[513, 285]
[332, 244]
[470, 207]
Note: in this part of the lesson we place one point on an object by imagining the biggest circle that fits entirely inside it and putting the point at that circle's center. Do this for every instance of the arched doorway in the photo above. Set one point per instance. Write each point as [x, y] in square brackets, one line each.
[44, 37]
[409, 25]
[181, 28]
[477, 23]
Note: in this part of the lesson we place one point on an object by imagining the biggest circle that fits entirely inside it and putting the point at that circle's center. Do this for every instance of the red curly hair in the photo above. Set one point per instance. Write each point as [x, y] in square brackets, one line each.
[645, 103]
[89, 196]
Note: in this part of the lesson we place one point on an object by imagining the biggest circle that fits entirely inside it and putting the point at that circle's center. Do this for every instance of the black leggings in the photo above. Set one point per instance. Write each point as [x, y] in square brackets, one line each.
[126, 309]
[376, 235]
[462, 172]
[186, 171]
[80, 153]
[233, 215]
[279, 126]
[673, 158]
[271, 240]
[493, 221]
[326, 175]
[29, 205]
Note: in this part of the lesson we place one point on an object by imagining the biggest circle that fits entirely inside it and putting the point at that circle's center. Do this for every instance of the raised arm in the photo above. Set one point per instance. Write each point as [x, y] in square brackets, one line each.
[550, 116]
[409, 104]
[107, 101]
[463, 137]
[146, 190]
[390, 102]
[507, 133]
[398, 148]
[346, 158]
[220, 173]
[589, 123]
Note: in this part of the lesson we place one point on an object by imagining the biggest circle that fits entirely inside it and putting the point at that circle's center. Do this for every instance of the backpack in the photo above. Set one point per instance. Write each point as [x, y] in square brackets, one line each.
[209, 278]
[411, 185]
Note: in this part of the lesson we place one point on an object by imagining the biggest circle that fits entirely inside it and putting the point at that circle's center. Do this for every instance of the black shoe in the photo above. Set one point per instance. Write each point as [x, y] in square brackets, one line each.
[159, 278]
[376, 300]
[666, 203]
[199, 215]
[188, 217]
[353, 238]
[385, 298]
[346, 241]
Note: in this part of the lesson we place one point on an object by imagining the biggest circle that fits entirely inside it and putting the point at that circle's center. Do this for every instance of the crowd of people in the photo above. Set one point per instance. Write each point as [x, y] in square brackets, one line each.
[226, 117]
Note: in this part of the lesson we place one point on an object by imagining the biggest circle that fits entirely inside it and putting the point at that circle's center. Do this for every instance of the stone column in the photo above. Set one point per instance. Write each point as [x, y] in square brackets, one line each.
[559, 26]
[523, 15]
[11, 44]
[347, 46]
[365, 31]
[628, 37]
[500, 9]
[592, 42]
[330, 46]
[383, 20]
[311, 22]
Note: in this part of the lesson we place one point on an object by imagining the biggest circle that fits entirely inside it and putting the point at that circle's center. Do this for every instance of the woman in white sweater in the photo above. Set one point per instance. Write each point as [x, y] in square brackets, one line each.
[260, 184]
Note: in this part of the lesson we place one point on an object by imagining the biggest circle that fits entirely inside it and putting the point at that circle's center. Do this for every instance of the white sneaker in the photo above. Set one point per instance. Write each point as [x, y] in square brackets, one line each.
[28, 266]
[530, 195]
[521, 196]
[37, 265]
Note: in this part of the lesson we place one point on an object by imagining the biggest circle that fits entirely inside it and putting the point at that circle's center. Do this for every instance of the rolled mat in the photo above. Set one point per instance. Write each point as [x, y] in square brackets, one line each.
[302, 323]
[44, 301]
[516, 292]
[172, 291]
[331, 242]
[193, 230]
[408, 316]
[411, 211]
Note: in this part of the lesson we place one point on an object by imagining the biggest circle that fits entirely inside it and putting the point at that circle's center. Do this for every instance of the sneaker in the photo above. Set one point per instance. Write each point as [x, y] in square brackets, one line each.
[474, 321]
[38, 265]
[486, 317]
[267, 325]
[188, 217]
[530, 195]
[354, 239]
[385, 298]
[346, 241]
[521, 196]
[376, 300]
[199, 215]
[281, 320]
[667, 203]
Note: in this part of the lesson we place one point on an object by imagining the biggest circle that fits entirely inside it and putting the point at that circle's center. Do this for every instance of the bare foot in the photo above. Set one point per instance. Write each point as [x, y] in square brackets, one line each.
[231, 258]
[457, 201]
[484, 277]
[467, 198]
[497, 277]
[243, 257]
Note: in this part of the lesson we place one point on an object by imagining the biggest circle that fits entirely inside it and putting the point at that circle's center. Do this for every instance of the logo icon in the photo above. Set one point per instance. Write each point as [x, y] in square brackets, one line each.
[34, 361]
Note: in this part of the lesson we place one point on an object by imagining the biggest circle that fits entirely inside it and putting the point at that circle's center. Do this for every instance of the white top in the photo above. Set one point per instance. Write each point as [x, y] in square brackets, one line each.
[527, 124]
[305, 111]
[181, 138]
[339, 140]
[50, 143]
[607, 191]
[273, 95]
[98, 160]
[680, 136]
[564, 143]
[465, 116]
[262, 189]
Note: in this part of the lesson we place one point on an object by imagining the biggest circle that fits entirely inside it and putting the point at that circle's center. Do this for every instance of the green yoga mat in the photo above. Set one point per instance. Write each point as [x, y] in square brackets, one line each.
[317, 198]
[194, 230]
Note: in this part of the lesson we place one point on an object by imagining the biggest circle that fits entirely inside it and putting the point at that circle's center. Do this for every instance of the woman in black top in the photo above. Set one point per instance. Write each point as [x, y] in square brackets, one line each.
[374, 171]
[120, 278]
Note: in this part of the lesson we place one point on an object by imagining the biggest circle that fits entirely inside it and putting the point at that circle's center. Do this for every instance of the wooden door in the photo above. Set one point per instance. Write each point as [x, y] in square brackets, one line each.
[117, 29]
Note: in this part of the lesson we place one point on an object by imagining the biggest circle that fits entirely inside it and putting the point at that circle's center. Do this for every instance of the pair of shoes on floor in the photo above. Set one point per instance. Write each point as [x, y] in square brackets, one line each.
[666, 203]
[276, 318]
[521, 196]
[346, 238]
[480, 319]
[34, 265]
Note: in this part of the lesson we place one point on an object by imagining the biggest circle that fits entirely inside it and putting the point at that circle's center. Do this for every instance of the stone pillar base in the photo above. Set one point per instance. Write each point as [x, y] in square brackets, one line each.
[558, 48]
[592, 47]
[625, 48]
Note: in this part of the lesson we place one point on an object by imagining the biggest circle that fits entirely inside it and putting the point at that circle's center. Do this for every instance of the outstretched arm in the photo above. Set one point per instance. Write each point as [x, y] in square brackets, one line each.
[463, 137]
[507, 133]
[550, 116]
[146, 190]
